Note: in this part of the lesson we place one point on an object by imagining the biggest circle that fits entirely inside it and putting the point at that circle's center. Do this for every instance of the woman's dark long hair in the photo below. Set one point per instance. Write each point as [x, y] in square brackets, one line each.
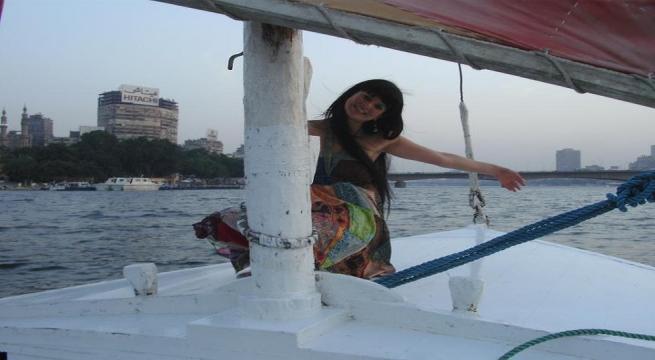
[388, 126]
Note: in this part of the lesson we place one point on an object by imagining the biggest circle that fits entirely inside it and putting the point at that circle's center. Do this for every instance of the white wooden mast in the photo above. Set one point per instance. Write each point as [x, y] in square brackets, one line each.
[277, 171]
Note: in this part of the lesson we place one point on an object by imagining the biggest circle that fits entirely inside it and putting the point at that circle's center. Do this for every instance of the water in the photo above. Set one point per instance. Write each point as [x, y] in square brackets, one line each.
[55, 239]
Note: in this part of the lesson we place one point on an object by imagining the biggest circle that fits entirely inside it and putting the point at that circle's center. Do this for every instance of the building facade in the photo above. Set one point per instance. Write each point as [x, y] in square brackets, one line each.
[136, 111]
[75, 136]
[35, 130]
[39, 130]
[240, 152]
[211, 143]
[644, 162]
[24, 129]
[4, 141]
[568, 160]
[212, 146]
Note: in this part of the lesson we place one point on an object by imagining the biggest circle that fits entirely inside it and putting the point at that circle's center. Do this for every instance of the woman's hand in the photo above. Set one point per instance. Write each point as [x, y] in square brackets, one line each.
[509, 179]
[407, 149]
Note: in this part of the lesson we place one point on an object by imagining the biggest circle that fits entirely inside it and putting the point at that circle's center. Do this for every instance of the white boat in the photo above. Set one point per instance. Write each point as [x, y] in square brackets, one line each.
[530, 291]
[57, 187]
[140, 184]
[73, 186]
[128, 184]
[288, 311]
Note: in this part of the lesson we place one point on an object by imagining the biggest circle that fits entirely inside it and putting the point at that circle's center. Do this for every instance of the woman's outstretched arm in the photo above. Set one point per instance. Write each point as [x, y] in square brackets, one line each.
[407, 149]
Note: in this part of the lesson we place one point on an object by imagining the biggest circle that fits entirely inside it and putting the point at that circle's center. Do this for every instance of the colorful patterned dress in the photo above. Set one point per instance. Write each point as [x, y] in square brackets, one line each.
[353, 238]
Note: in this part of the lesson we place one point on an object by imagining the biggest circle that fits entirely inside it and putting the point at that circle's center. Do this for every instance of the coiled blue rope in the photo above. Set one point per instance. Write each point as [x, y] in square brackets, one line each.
[635, 191]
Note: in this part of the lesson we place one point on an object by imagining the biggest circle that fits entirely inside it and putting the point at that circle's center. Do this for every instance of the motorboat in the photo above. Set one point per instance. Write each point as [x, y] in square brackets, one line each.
[140, 184]
[128, 184]
[72, 186]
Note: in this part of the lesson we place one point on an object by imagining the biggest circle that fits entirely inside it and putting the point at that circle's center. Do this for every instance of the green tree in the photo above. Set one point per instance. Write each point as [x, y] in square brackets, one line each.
[102, 150]
[57, 170]
[141, 156]
[100, 155]
[22, 168]
[55, 152]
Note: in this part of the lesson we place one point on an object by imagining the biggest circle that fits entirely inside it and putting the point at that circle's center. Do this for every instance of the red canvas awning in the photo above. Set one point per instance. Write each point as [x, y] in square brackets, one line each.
[611, 34]
[603, 47]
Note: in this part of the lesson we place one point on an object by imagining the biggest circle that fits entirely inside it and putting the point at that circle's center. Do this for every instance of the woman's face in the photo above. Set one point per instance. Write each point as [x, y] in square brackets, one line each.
[362, 107]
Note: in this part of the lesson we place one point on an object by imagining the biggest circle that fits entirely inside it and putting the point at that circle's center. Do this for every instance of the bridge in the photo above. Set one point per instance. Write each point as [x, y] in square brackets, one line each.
[617, 175]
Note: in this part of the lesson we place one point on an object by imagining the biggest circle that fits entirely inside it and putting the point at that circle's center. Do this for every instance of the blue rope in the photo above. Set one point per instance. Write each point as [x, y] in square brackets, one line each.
[635, 191]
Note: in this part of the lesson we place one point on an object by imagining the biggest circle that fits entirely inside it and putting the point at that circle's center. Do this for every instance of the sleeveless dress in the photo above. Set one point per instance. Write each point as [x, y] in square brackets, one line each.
[353, 238]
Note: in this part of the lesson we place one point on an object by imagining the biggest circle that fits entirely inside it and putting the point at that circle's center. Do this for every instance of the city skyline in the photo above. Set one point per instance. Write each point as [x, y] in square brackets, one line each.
[55, 68]
[217, 146]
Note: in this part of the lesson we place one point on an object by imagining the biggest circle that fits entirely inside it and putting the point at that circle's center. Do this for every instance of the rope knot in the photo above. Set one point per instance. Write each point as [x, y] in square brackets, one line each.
[635, 191]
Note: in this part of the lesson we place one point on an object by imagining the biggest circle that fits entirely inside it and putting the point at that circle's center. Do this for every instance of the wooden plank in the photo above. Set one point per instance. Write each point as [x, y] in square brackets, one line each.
[427, 42]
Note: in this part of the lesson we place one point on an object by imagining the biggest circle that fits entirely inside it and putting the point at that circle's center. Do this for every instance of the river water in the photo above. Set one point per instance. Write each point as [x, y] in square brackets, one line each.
[55, 239]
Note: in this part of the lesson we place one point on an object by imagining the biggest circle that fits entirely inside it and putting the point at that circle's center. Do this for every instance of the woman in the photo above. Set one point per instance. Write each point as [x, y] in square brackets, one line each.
[350, 187]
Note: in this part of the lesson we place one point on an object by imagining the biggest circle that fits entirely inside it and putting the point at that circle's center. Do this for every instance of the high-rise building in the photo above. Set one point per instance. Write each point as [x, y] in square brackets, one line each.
[644, 162]
[75, 136]
[24, 129]
[84, 129]
[35, 130]
[568, 160]
[39, 130]
[14, 139]
[210, 143]
[137, 111]
[4, 141]
[240, 152]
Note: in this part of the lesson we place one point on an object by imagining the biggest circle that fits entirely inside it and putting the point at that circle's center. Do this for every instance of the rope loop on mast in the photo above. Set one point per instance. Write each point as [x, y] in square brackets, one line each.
[476, 200]
[272, 240]
[456, 53]
[561, 70]
[326, 14]
[276, 241]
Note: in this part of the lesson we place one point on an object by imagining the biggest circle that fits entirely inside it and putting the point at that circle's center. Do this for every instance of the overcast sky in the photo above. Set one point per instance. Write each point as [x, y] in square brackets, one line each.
[56, 56]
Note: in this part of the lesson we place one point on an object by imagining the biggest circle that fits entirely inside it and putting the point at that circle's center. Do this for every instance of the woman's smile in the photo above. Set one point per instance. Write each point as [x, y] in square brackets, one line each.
[362, 107]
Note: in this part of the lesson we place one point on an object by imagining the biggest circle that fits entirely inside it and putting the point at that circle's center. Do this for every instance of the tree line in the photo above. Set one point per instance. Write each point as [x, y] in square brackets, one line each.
[99, 155]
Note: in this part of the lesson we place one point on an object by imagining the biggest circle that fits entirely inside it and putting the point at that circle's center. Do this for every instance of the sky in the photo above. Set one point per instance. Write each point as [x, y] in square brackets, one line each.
[56, 56]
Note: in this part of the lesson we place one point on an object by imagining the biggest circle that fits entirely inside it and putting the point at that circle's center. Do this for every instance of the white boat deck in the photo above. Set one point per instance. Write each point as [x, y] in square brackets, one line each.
[528, 289]
[539, 284]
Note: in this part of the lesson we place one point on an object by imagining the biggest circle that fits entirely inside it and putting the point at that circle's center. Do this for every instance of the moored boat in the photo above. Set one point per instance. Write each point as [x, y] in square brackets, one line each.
[202, 187]
[73, 186]
[128, 184]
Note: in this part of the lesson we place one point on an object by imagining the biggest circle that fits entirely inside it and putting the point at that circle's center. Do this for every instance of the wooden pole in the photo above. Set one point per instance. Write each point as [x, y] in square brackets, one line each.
[277, 176]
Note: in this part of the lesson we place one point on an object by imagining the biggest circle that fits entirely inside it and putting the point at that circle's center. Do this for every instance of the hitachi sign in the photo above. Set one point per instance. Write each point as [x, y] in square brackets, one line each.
[139, 95]
[140, 99]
